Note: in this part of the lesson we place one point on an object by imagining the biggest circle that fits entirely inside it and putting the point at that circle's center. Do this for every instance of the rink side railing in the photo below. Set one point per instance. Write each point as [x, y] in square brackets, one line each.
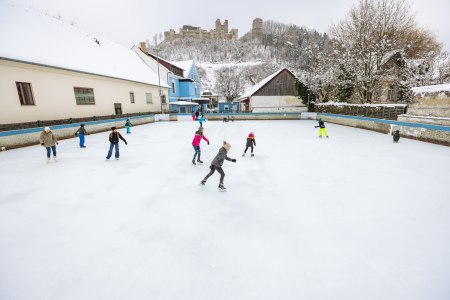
[424, 132]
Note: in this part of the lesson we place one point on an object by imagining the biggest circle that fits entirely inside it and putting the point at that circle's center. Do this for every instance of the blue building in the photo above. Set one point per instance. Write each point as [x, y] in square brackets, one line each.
[228, 107]
[184, 85]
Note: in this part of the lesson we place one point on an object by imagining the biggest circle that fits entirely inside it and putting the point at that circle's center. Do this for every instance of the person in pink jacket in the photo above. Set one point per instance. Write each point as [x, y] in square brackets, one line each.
[196, 144]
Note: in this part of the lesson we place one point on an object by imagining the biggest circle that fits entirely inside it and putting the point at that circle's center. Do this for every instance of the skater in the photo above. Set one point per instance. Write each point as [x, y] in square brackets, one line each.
[196, 144]
[250, 142]
[396, 136]
[49, 141]
[81, 132]
[193, 116]
[114, 137]
[128, 125]
[322, 128]
[201, 120]
[196, 114]
[217, 163]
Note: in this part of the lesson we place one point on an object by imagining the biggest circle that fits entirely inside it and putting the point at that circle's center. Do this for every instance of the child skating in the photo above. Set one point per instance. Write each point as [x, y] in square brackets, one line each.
[81, 132]
[322, 128]
[114, 137]
[196, 144]
[250, 142]
[217, 163]
[49, 141]
[396, 136]
[201, 120]
[128, 126]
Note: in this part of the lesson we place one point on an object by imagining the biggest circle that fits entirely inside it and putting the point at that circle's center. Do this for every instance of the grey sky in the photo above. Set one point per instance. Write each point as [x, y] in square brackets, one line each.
[131, 21]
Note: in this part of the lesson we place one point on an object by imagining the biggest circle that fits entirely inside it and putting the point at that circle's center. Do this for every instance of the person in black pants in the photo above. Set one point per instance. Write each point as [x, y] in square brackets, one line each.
[114, 137]
[217, 163]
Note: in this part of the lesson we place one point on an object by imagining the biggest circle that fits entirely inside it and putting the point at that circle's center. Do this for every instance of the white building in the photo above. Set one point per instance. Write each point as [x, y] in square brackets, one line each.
[51, 70]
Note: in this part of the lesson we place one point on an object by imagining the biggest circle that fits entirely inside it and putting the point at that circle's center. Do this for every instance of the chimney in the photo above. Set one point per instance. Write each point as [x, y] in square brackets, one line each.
[144, 47]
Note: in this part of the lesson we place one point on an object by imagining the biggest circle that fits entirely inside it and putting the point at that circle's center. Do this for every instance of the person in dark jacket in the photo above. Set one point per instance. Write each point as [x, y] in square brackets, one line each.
[322, 128]
[217, 163]
[128, 126]
[81, 132]
[197, 113]
[114, 137]
[396, 136]
[250, 142]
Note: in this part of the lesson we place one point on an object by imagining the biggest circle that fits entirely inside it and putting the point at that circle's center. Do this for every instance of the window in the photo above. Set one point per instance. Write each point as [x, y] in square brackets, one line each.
[25, 93]
[149, 98]
[84, 96]
[173, 87]
[131, 97]
[390, 94]
[163, 98]
[118, 108]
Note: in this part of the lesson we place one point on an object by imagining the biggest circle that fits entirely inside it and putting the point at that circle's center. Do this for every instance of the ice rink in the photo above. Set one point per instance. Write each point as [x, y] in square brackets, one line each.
[350, 217]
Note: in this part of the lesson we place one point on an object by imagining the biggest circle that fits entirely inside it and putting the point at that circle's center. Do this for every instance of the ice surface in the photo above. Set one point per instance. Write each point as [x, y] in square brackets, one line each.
[350, 217]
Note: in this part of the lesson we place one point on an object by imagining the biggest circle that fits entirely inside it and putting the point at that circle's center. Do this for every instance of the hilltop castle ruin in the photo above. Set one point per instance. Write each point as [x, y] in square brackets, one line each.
[220, 32]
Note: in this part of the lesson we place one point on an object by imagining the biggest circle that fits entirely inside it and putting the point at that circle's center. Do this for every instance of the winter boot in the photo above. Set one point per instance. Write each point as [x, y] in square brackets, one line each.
[193, 162]
[221, 187]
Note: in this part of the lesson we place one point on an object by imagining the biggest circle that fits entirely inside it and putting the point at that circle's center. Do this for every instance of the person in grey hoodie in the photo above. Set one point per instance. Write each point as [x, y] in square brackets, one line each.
[217, 163]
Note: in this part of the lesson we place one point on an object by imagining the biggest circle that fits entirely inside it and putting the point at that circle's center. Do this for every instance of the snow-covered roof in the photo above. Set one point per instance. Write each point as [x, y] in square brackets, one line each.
[183, 103]
[260, 84]
[185, 65]
[30, 36]
[439, 88]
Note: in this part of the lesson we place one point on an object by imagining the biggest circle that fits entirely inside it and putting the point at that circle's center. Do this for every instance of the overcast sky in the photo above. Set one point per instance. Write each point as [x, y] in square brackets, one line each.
[128, 22]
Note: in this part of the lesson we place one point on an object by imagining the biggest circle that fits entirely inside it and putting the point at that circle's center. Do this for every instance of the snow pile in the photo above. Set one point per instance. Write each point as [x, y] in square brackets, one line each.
[332, 103]
[439, 88]
[31, 36]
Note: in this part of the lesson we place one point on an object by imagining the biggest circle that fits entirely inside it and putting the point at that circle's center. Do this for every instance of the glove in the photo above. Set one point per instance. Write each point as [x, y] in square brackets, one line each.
[208, 143]
[75, 134]
[233, 160]
[126, 143]
[57, 143]
[316, 126]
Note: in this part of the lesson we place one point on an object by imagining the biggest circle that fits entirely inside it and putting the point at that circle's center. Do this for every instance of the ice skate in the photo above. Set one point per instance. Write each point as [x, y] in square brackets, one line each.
[199, 161]
[48, 160]
[243, 155]
[253, 154]
[222, 188]
[117, 158]
[202, 182]
[193, 162]
[55, 159]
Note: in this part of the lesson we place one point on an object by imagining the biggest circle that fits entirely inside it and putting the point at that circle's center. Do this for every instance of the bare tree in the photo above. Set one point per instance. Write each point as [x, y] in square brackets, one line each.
[229, 83]
[371, 32]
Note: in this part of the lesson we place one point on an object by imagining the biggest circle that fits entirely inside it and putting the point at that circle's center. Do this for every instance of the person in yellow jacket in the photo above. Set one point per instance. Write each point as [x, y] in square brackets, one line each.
[322, 128]
[49, 141]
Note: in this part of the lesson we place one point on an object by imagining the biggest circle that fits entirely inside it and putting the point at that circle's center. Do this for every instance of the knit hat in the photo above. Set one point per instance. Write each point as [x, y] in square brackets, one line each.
[226, 145]
[251, 135]
[47, 129]
[113, 128]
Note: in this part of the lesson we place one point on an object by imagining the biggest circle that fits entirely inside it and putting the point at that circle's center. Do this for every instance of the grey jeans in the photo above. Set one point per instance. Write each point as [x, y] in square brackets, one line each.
[213, 169]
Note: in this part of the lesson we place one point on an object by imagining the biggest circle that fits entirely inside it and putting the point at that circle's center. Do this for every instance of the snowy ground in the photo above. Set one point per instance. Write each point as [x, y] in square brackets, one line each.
[350, 217]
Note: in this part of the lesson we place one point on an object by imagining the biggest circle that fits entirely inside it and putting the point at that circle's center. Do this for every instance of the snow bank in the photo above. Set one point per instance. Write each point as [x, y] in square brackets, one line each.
[439, 88]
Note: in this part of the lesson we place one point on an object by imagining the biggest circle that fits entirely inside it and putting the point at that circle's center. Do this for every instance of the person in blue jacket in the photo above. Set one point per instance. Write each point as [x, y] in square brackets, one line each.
[201, 120]
[128, 125]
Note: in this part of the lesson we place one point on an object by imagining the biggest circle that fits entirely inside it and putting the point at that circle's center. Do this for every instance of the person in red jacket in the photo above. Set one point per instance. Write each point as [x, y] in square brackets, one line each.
[196, 144]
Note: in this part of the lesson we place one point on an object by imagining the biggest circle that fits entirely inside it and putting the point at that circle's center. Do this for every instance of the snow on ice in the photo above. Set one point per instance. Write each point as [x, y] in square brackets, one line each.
[350, 217]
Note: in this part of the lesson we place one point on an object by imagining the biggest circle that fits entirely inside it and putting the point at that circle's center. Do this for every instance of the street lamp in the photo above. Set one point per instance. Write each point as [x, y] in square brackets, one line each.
[159, 77]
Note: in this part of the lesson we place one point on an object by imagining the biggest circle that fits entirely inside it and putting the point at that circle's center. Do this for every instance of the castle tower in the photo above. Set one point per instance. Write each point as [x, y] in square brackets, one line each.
[257, 28]
[225, 27]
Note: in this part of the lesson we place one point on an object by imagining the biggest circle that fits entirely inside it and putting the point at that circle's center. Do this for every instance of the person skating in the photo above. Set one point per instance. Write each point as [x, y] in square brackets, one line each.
[396, 136]
[114, 137]
[201, 120]
[250, 142]
[49, 141]
[322, 128]
[217, 163]
[128, 126]
[193, 116]
[81, 132]
[197, 113]
[196, 144]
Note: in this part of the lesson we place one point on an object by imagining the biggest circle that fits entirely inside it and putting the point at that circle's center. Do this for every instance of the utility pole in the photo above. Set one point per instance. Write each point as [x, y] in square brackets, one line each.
[159, 77]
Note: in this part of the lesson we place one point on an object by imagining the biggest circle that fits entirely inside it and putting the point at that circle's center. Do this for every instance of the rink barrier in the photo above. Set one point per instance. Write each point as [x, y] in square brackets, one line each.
[27, 137]
[436, 134]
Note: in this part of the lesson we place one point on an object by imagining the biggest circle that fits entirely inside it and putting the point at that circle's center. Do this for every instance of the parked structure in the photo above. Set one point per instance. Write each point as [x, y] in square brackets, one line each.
[275, 93]
[220, 32]
[59, 72]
